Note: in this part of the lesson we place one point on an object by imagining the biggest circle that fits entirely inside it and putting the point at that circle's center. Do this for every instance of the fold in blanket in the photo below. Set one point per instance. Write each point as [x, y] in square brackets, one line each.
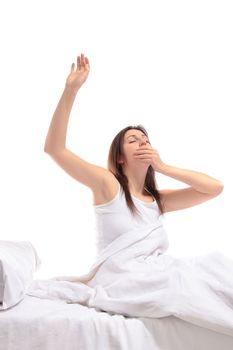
[133, 277]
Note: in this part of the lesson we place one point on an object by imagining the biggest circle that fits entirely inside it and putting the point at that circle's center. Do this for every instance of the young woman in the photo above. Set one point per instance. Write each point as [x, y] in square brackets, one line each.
[132, 275]
[132, 160]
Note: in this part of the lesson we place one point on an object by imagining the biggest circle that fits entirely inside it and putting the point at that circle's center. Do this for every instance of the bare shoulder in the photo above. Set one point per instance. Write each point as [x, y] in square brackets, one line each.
[107, 191]
[100, 180]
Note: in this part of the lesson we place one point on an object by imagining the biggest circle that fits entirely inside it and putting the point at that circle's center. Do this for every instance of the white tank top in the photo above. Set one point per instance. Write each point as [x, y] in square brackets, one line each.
[114, 217]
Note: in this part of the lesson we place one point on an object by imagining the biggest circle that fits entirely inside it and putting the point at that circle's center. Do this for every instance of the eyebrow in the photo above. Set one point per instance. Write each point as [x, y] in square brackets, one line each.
[136, 135]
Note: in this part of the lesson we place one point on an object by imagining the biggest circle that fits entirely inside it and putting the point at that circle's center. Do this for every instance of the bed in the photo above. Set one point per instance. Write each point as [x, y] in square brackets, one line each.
[40, 324]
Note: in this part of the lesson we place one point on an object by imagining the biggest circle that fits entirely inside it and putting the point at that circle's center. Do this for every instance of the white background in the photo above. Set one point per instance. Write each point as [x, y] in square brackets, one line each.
[164, 64]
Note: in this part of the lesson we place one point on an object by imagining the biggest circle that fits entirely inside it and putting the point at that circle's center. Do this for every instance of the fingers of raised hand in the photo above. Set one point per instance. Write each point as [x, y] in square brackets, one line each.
[82, 62]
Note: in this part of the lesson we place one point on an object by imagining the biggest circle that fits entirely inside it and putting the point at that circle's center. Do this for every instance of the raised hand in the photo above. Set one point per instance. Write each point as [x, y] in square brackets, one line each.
[79, 75]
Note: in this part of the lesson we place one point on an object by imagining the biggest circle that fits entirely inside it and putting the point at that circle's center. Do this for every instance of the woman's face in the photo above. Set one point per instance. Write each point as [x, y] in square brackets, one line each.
[134, 139]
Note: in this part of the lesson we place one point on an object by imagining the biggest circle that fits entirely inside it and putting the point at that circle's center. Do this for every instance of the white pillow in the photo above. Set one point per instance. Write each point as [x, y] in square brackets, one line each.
[18, 262]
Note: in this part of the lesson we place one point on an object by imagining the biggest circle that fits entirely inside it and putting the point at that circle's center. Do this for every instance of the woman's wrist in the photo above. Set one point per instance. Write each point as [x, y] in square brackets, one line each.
[162, 168]
[71, 90]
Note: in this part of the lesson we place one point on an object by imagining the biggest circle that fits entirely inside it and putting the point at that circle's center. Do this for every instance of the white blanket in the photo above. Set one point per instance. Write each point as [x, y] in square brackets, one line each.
[40, 324]
[132, 276]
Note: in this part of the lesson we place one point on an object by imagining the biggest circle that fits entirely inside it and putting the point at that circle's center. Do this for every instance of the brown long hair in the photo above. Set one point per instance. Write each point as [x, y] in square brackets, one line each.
[115, 151]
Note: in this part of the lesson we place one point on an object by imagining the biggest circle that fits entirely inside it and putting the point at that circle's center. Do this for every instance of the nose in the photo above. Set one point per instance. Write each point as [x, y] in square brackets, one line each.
[142, 142]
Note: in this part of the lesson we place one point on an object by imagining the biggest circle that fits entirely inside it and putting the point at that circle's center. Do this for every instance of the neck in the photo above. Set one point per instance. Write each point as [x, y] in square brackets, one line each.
[136, 179]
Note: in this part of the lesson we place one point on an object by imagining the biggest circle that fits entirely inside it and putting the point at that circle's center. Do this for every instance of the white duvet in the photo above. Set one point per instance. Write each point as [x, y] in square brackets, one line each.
[134, 277]
[40, 324]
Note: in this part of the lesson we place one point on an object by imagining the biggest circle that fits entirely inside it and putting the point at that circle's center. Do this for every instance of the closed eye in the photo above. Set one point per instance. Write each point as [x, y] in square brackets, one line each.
[135, 141]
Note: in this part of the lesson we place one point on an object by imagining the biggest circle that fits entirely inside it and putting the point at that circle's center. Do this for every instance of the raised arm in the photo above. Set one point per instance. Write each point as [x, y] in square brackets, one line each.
[56, 137]
[55, 144]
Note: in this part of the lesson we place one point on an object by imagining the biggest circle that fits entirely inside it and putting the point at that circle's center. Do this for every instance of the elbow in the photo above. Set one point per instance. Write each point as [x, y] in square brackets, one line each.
[46, 150]
[48, 147]
[53, 151]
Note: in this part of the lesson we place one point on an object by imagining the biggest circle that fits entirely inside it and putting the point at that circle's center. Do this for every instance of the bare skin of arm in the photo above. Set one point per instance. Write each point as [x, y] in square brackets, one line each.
[202, 186]
[86, 173]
